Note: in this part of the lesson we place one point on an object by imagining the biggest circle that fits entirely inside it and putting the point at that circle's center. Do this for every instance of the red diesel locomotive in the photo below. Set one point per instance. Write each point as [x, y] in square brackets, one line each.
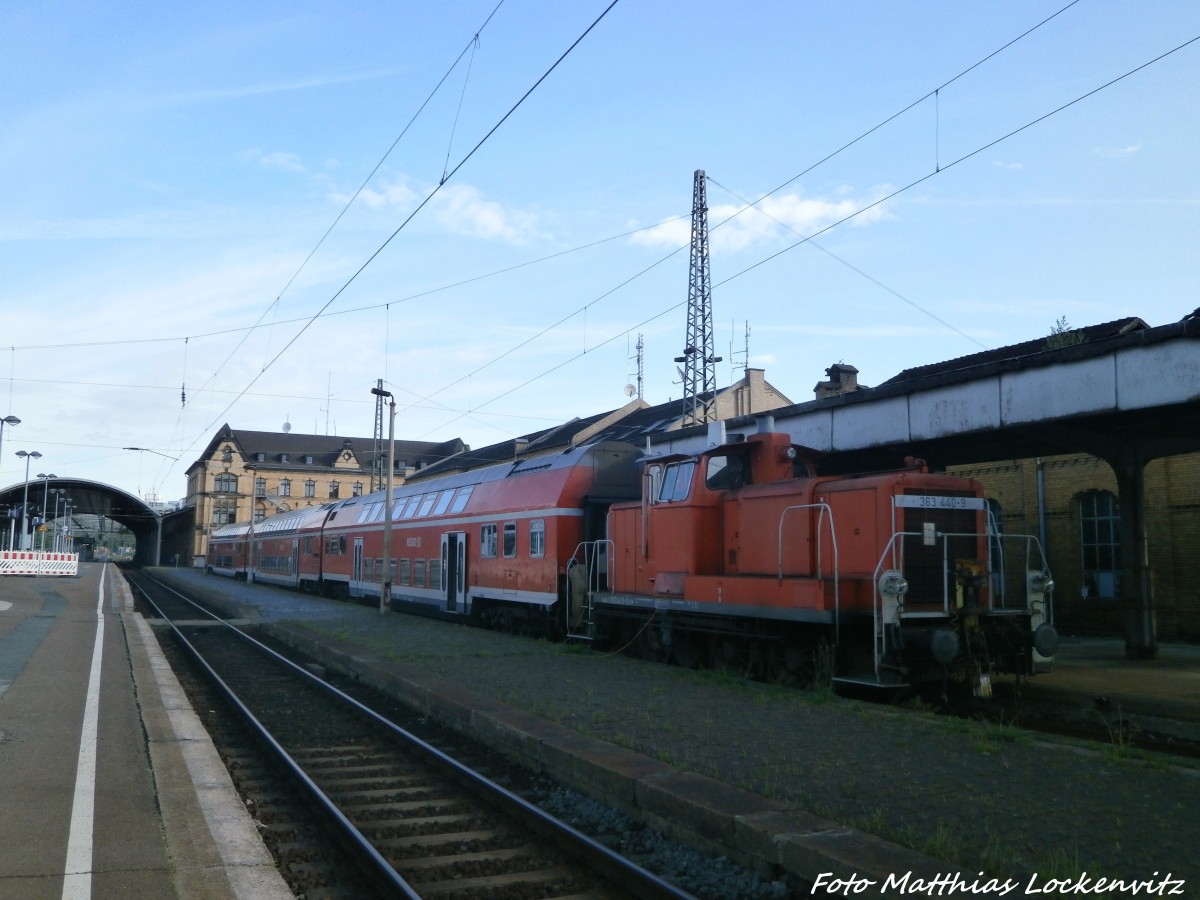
[739, 556]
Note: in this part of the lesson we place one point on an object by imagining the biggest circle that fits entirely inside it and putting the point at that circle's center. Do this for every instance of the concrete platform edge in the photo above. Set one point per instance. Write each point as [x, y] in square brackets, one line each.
[214, 846]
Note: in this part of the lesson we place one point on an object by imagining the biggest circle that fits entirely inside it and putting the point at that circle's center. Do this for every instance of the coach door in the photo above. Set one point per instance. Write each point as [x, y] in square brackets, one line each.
[454, 570]
[356, 574]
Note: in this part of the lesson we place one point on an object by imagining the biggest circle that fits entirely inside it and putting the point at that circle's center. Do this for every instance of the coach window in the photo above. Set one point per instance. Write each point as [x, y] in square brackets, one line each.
[537, 538]
[405, 570]
[418, 573]
[333, 490]
[435, 574]
[285, 487]
[510, 539]
[487, 541]
[443, 502]
[426, 505]
[677, 481]
[460, 500]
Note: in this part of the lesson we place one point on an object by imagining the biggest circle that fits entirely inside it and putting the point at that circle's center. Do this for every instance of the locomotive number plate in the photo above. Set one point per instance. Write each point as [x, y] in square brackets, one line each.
[931, 501]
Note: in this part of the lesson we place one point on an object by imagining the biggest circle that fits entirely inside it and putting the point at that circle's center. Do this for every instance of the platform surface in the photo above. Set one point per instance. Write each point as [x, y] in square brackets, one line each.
[108, 786]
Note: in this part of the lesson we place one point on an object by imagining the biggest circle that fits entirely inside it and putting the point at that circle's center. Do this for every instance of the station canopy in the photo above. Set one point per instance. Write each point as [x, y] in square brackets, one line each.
[89, 498]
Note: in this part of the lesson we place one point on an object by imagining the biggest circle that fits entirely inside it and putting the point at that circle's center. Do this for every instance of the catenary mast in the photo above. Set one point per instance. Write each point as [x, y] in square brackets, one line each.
[699, 360]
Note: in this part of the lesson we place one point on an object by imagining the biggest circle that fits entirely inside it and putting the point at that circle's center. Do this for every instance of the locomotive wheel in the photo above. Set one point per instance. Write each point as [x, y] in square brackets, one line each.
[650, 645]
[729, 655]
[683, 653]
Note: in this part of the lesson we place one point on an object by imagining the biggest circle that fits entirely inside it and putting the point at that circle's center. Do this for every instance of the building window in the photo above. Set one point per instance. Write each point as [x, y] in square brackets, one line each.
[260, 487]
[537, 538]
[227, 455]
[1100, 542]
[333, 490]
[226, 483]
[487, 541]
[283, 457]
[285, 487]
[310, 488]
[224, 511]
[259, 514]
[308, 460]
[357, 489]
[510, 539]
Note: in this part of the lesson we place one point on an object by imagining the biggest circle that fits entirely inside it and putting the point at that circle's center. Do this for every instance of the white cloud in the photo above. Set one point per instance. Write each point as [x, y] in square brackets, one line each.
[1117, 152]
[1004, 164]
[285, 162]
[782, 219]
[458, 209]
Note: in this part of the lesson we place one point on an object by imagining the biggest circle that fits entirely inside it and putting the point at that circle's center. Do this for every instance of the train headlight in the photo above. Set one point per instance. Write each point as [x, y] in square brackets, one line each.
[1042, 583]
[893, 583]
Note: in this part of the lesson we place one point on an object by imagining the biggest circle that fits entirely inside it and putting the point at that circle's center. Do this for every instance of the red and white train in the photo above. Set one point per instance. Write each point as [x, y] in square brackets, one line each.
[740, 556]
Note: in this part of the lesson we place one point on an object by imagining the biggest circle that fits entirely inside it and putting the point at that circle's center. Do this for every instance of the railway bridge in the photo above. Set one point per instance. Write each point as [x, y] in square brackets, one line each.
[1127, 394]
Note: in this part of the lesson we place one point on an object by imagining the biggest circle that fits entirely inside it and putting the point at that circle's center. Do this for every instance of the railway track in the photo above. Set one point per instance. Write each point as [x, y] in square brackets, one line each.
[352, 805]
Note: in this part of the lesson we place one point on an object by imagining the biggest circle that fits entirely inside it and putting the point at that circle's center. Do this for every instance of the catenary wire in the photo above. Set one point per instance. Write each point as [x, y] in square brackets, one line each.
[967, 156]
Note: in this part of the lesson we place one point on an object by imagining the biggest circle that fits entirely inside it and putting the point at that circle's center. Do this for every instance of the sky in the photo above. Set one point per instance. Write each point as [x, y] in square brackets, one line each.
[248, 213]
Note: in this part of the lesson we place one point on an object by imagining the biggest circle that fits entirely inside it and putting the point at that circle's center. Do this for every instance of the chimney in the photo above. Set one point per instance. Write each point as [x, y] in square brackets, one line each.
[843, 379]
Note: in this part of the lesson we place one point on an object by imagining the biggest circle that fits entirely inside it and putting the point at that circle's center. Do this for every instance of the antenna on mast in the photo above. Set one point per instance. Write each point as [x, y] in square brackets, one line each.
[630, 390]
[699, 361]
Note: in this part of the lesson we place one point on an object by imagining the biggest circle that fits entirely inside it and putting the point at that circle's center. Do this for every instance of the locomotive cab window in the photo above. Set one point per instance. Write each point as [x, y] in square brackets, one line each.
[677, 481]
[725, 473]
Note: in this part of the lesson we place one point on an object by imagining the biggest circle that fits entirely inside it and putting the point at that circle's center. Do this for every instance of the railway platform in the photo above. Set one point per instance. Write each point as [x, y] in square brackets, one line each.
[807, 781]
[109, 787]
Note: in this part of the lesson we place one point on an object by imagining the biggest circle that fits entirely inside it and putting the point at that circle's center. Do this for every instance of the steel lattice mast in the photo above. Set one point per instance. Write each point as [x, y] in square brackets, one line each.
[379, 456]
[699, 360]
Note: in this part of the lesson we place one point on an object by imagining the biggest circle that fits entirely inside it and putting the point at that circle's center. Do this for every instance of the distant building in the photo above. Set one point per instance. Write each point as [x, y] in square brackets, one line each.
[253, 474]
[633, 423]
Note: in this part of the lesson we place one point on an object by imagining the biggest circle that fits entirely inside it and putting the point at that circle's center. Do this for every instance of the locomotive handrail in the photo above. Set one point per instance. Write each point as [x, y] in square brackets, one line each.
[824, 508]
[591, 563]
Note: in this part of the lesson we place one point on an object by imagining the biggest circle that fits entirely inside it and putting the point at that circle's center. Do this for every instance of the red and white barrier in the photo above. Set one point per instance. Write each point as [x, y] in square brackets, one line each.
[30, 562]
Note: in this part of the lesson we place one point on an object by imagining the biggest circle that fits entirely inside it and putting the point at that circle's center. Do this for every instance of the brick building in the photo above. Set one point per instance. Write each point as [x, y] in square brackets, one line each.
[1071, 502]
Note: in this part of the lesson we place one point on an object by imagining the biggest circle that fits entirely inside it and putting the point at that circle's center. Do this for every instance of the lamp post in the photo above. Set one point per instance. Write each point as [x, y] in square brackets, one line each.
[45, 503]
[25, 504]
[7, 420]
[385, 588]
[58, 495]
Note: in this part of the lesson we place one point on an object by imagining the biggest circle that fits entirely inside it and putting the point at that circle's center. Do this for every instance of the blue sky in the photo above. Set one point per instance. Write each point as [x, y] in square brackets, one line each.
[168, 169]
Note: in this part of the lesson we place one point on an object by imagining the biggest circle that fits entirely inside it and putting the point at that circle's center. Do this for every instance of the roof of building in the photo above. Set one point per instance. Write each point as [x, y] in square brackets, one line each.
[323, 448]
[1049, 344]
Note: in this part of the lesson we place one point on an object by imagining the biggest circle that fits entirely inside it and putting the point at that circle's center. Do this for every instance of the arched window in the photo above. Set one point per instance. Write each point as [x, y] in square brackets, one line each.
[1100, 543]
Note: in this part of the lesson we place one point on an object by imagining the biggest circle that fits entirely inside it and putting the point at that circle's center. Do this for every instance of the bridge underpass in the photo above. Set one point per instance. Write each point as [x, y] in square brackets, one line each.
[1128, 399]
[88, 498]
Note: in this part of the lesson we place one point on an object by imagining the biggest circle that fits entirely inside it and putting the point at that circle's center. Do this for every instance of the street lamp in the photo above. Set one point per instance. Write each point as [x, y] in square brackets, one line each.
[25, 504]
[45, 503]
[7, 420]
[385, 588]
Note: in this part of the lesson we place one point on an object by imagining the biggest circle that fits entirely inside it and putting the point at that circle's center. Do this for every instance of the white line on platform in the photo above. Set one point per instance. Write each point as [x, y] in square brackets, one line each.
[77, 883]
